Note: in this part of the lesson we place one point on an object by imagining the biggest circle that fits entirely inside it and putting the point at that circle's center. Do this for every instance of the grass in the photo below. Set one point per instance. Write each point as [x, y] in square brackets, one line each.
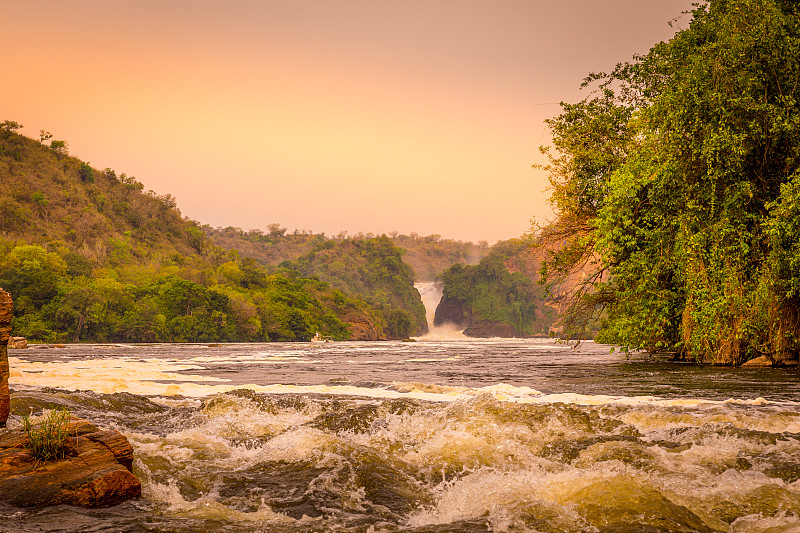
[48, 437]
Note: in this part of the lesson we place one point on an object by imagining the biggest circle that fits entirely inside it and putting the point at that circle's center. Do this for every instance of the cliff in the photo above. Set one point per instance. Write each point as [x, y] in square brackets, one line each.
[6, 309]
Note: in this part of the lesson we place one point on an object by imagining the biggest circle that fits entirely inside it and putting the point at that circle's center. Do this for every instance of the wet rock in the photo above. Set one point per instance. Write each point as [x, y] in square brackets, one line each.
[17, 343]
[758, 361]
[6, 309]
[96, 473]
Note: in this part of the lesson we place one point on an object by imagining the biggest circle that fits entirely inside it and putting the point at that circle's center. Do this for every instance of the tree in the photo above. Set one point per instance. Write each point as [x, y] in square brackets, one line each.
[678, 195]
[10, 126]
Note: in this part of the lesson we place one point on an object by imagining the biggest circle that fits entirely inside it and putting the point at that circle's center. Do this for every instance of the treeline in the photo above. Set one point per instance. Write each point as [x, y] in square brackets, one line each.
[676, 182]
[427, 255]
[89, 255]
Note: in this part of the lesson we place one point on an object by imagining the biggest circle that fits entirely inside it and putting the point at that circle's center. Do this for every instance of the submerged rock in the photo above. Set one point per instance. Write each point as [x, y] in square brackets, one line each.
[96, 473]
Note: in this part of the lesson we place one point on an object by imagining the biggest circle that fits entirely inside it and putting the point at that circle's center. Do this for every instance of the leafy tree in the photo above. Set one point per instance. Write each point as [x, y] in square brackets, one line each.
[10, 126]
[673, 182]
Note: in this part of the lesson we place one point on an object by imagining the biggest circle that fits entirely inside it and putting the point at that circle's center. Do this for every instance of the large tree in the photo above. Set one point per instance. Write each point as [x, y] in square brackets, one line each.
[677, 189]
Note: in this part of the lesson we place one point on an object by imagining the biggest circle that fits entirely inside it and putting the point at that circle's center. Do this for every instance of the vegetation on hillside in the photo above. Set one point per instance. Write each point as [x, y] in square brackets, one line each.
[90, 256]
[427, 255]
[373, 270]
[491, 292]
[677, 184]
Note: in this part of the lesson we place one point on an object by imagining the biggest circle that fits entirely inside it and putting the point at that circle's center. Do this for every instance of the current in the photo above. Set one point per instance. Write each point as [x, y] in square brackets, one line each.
[438, 435]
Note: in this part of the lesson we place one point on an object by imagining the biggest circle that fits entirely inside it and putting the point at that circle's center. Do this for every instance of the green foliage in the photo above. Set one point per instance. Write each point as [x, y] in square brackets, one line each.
[373, 270]
[10, 126]
[681, 193]
[86, 173]
[494, 293]
[427, 255]
[48, 439]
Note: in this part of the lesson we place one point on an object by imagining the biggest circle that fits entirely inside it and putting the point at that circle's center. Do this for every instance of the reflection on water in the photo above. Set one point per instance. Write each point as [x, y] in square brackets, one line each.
[433, 436]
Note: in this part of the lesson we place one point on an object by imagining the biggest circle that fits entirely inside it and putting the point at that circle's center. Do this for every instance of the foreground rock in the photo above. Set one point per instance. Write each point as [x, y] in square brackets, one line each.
[6, 308]
[97, 472]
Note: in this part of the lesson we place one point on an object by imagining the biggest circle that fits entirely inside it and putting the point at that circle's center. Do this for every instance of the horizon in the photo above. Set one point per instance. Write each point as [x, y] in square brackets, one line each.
[357, 117]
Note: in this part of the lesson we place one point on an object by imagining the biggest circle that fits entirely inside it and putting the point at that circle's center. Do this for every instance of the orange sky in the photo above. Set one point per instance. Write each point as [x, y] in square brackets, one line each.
[368, 115]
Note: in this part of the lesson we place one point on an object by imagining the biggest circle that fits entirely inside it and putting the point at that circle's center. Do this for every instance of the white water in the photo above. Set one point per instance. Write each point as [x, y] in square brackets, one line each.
[431, 293]
[433, 436]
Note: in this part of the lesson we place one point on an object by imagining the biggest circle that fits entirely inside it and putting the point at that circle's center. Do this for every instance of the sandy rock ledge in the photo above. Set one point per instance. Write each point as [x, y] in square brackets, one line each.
[97, 472]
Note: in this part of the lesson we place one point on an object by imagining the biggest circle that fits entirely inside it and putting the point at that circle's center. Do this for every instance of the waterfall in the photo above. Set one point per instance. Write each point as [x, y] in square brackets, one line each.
[431, 293]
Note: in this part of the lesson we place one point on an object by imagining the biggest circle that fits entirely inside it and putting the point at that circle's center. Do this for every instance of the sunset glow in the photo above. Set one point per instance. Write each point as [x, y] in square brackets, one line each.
[360, 116]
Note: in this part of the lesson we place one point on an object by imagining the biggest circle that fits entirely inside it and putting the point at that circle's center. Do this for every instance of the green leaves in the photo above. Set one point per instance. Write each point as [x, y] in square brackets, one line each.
[694, 215]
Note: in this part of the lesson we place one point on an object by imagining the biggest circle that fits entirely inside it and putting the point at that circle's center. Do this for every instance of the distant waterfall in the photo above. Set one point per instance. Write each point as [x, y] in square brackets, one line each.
[431, 293]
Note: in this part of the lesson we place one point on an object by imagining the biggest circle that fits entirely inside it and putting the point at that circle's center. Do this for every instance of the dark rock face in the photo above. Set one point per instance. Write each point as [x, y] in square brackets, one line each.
[6, 308]
[487, 329]
[97, 473]
[451, 311]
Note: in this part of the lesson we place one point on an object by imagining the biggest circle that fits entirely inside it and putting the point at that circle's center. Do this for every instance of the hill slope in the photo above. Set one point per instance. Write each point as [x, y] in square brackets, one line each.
[90, 255]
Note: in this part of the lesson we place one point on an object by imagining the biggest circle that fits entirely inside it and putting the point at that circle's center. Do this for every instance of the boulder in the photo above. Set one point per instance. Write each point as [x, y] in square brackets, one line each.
[17, 343]
[758, 361]
[96, 473]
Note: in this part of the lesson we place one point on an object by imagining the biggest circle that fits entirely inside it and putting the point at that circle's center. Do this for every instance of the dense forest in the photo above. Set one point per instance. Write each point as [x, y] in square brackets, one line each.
[89, 255]
[427, 255]
[676, 184]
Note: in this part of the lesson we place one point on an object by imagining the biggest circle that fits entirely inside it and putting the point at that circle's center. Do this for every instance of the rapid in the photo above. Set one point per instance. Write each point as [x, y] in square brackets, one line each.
[438, 435]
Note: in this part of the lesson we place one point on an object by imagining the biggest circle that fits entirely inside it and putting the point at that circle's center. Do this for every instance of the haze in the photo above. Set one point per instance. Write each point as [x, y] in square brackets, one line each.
[358, 116]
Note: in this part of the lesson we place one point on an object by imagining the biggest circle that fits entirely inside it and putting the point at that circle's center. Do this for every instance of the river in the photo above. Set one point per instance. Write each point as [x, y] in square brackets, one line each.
[439, 435]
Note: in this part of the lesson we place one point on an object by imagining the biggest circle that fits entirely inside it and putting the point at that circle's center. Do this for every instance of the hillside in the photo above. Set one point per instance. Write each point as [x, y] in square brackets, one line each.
[88, 255]
[428, 256]
[373, 270]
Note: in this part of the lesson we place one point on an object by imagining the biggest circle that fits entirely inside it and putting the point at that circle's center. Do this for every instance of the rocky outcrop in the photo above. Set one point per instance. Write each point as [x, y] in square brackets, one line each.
[6, 309]
[97, 472]
[452, 311]
[17, 343]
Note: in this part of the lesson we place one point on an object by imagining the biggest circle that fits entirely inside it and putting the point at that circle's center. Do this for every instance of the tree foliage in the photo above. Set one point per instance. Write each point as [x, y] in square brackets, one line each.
[676, 182]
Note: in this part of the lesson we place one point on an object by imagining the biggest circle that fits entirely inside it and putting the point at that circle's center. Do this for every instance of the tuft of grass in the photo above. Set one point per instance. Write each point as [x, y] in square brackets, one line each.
[48, 437]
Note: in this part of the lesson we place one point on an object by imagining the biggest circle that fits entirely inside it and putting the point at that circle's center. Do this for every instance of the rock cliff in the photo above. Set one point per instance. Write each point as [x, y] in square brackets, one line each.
[97, 472]
[6, 308]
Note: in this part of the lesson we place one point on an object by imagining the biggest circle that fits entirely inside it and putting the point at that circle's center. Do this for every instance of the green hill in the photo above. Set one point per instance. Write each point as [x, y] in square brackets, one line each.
[88, 255]
[372, 269]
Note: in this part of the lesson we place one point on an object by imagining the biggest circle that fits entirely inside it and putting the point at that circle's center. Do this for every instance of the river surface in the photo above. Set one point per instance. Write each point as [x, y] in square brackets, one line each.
[439, 435]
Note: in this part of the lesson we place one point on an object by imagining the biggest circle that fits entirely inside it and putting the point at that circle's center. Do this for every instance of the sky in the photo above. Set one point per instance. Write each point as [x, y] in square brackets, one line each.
[373, 116]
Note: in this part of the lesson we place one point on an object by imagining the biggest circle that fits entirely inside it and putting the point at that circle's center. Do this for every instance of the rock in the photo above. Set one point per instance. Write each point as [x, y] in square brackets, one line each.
[97, 473]
[487, 329]
[17, 343]
[758, 361]
[452, 311]
[6, 309]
